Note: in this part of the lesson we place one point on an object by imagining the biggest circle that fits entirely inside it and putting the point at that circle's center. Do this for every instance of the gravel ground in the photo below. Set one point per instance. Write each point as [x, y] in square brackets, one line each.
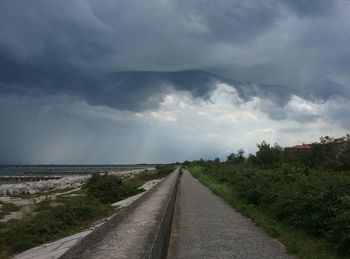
[205, 226]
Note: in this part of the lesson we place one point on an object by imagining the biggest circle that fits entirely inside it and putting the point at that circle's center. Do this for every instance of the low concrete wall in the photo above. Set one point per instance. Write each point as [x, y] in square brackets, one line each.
[141, 230]
[161, 243]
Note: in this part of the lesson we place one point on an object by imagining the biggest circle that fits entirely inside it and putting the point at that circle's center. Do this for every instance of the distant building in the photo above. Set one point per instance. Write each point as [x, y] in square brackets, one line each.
[302, 146]
[327, 147]
[292, 152]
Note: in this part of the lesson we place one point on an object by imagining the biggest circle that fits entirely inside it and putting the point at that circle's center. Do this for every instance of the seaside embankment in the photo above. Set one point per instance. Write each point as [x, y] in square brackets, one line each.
[140, 230]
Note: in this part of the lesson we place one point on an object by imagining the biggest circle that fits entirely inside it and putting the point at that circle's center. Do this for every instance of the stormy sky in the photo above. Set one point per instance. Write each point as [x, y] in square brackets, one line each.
[131, 81]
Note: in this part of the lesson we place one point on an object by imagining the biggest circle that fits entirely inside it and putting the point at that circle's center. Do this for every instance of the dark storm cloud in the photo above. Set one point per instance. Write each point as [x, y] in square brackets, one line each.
[310, 7]
[237, 21]
[137, 88]
[130, 90]
[52, 31]
[80, 47]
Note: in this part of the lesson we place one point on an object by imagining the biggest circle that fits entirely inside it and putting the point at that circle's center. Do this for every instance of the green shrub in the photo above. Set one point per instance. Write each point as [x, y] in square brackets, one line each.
[339, 233]
[108, 188]
[163, 171]
[148, 175]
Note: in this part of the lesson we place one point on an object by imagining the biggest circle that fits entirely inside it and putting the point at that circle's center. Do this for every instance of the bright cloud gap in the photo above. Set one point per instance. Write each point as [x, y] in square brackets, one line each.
[184, 124]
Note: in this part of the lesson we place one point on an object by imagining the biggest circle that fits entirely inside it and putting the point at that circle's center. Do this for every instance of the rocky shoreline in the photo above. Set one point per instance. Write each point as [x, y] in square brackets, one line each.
[65, 182]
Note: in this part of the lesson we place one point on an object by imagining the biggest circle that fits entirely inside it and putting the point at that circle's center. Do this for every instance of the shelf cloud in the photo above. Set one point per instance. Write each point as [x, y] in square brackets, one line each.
[85, 70]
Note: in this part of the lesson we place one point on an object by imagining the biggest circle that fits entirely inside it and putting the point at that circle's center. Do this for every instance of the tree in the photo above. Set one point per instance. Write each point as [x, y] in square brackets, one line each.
[236, 158]
[267, 155]
[331, 153]
[251, 159]
[240, 156]
[231, 158]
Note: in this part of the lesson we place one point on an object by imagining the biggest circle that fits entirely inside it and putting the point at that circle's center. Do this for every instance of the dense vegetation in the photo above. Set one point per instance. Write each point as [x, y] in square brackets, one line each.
[307, 190]
[65, 215]
[109, 188]
[160, 172]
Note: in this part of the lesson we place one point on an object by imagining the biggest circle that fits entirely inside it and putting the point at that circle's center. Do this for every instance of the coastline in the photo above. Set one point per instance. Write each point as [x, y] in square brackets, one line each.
[65, 182]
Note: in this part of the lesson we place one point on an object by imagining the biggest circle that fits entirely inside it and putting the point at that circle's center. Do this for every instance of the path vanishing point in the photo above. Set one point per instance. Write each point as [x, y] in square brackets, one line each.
[179, 218]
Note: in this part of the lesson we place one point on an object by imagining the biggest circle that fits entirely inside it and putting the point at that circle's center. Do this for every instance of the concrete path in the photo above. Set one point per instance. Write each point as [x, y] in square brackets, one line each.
[205, 226]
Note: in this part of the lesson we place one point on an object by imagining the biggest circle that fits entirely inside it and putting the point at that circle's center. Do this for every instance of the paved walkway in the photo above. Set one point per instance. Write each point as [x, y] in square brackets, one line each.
[205, 226]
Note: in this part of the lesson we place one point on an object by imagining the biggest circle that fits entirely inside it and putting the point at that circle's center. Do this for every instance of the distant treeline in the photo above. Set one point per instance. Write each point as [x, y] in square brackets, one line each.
[331, 154]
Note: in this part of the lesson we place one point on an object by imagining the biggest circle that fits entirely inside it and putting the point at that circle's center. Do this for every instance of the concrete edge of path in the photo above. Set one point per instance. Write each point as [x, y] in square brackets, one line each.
[158, 237]
[162, 238]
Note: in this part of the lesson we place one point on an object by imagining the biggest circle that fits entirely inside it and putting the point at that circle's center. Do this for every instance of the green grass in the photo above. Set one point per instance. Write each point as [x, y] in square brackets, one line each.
[148, 175]
[7, 208]
[297, 242]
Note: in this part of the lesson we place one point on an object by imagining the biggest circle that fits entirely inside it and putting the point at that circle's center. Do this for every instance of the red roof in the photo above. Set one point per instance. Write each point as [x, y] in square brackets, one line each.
[303, 146]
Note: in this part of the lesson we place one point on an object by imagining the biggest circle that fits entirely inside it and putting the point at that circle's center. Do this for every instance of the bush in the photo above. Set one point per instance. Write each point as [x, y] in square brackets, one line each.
[340, 232]
[108, 188]
[163, 171]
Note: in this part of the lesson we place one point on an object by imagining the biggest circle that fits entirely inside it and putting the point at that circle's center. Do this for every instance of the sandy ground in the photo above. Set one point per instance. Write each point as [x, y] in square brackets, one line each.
[55, 249]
